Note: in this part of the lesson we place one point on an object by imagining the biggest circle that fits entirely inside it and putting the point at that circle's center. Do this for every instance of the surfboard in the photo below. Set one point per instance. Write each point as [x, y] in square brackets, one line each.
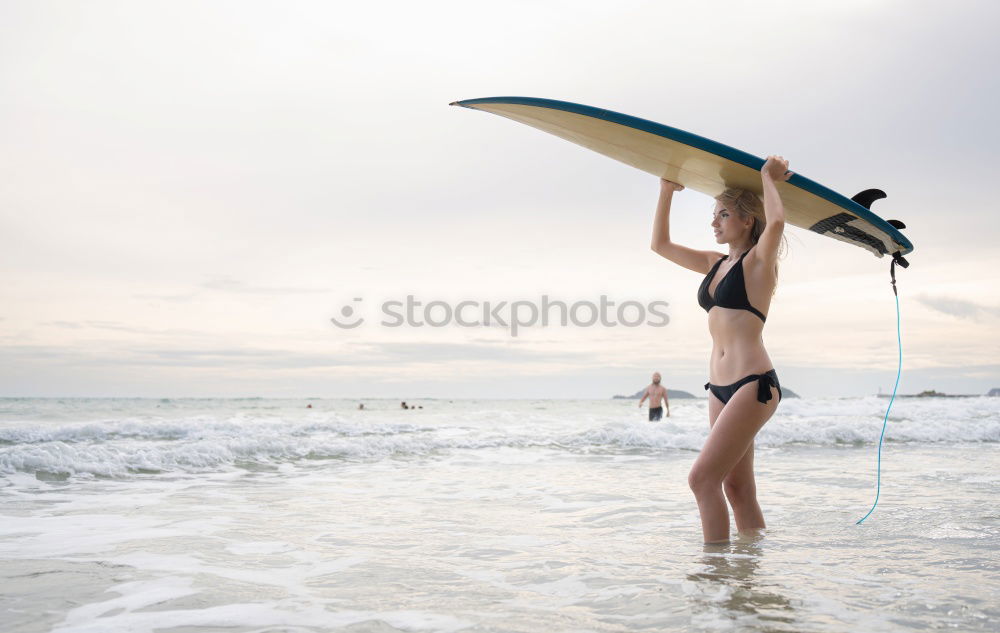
[706, 166]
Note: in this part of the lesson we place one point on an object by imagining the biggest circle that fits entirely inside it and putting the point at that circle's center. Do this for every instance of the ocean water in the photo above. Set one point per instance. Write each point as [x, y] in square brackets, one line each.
[468, 515]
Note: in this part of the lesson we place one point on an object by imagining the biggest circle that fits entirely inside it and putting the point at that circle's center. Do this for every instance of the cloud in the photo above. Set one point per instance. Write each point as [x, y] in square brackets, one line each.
[232, 285]
[70, 325]
[958, 307]
[359, 356]
[443, 352]
[167, 297]
[121, 327]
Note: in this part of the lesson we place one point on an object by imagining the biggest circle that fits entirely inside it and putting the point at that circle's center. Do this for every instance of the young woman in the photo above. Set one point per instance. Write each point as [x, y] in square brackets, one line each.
[743, 386]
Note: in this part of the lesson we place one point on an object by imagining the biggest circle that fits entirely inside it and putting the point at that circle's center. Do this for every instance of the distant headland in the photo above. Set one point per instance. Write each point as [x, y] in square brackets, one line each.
[931, 393]
[671, 393]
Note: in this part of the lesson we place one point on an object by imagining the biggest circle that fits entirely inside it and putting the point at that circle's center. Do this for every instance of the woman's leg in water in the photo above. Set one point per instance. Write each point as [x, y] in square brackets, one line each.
[739, 485]
[728, 450]
[741, 490]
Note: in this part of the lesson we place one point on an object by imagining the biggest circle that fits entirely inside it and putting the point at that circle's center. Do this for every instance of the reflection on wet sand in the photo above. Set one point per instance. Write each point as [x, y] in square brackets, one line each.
[725, 589]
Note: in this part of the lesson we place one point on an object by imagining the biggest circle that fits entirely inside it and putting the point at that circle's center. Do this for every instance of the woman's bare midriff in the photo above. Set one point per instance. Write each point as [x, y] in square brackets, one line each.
[737, 347]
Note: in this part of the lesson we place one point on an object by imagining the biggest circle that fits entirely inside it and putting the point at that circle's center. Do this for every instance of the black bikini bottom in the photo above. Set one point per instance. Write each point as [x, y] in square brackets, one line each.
[764, 383]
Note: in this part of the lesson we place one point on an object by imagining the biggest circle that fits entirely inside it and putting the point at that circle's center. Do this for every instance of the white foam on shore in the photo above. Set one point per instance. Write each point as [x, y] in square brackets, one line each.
[252, 615]
[141, 445]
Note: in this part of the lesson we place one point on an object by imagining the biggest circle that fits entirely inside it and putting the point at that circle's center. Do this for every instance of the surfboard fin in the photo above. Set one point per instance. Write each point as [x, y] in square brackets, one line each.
[868, 196]
[896, 224]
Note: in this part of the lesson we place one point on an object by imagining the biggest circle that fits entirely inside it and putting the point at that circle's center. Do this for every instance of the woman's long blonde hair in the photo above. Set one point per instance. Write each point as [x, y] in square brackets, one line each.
[747, 204]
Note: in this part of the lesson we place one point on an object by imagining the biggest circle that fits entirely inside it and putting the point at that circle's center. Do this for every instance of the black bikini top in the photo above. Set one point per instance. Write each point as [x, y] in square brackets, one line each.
[731, 291]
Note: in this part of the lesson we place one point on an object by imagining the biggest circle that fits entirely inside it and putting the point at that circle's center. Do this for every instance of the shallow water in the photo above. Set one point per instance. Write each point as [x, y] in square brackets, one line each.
[260, 515]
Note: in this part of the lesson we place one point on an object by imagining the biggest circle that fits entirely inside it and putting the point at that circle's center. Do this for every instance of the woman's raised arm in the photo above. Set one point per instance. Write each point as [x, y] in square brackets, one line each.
[775, 170]
[698, 261]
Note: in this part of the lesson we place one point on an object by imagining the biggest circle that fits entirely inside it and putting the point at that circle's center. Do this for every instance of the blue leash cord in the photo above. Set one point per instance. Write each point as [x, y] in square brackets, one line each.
[899, 370]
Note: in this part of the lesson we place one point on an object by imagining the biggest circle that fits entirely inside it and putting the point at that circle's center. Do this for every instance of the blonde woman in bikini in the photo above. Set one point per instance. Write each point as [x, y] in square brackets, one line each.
[743, 386]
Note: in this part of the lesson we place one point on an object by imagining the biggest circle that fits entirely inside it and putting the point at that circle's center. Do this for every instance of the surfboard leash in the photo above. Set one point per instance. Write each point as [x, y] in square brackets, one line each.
[896, 258]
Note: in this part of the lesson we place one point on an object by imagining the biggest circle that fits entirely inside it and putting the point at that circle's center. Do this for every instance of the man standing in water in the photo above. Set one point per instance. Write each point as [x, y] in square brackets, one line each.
[655, 392]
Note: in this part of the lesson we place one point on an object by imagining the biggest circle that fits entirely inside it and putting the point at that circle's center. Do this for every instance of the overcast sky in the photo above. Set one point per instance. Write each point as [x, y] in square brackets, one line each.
[191, 190]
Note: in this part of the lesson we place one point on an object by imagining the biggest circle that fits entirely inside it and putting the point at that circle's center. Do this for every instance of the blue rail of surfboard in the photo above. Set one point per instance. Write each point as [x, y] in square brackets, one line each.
[705, 144]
